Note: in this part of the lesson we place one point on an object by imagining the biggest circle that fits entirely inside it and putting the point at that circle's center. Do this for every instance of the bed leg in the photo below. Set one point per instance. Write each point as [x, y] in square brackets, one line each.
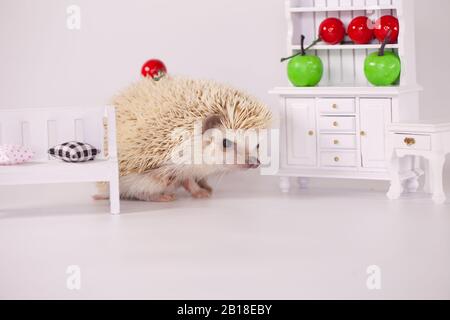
[114, 196]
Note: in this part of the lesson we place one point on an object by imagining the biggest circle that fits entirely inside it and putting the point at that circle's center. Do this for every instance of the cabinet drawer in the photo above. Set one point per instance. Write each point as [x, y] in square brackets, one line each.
[338, 159]
[412, 142]
[337, 141]
[336, 105]
[341, 124]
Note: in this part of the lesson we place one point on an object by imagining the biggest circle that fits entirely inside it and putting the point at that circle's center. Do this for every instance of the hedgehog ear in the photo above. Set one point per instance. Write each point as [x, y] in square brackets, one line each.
[211, 122]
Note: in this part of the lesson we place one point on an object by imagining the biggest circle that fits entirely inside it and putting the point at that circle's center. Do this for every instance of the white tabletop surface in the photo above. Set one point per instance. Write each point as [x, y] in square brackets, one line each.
[422, 126]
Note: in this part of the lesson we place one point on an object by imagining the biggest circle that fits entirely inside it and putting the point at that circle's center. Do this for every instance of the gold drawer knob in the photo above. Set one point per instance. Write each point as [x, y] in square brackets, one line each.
[311, 133]
[337, 159]
[334, 106]
[336, 142]
[410, 141]
[363, 133]
[335, 124]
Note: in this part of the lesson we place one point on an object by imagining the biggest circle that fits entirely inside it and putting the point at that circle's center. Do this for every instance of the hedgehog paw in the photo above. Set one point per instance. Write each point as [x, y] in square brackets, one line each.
[201, 194]
[204, 185]
[99, 197]
[164, 197]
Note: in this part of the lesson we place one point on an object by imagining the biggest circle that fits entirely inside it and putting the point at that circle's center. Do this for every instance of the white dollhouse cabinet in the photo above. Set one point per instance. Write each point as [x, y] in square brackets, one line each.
[338, 129]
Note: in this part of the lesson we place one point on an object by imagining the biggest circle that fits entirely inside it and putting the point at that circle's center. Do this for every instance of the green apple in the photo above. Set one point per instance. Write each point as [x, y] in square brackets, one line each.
[304, 70]
[383, 68]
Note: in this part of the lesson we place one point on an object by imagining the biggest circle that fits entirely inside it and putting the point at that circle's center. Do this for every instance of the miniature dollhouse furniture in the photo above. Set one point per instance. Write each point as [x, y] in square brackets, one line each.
[43, 128]
[428, 140]
[339, 128]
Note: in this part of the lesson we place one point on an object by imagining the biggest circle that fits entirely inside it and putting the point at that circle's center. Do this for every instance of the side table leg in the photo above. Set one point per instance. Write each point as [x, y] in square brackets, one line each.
[396, 188]
[428, 188]
[412, 185]
[437, 172]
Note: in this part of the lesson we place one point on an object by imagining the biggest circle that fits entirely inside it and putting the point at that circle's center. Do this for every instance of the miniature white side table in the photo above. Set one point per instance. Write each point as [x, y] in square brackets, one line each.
[430, 140]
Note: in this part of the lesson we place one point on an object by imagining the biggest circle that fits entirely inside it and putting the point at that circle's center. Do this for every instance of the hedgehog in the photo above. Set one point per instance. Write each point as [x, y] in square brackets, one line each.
[167, 128]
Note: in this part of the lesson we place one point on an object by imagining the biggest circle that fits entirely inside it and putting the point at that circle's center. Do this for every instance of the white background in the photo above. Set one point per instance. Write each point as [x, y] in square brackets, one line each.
[239, 42]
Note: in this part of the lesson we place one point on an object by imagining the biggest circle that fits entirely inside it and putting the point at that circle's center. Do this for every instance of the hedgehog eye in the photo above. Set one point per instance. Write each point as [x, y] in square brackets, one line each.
[227, 143]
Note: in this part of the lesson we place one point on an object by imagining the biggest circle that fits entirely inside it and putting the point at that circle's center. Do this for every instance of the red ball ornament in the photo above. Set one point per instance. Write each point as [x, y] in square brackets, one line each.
[155, 69]
[359, 30]
[384, 25]
[332, 31]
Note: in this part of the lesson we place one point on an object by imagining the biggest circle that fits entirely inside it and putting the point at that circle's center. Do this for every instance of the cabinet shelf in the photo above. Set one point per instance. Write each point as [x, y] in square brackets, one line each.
[347, 46]
[337, 9]
[345, 91]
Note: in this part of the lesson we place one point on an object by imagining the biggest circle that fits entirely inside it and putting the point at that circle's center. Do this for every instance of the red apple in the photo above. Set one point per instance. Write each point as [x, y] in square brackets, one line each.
[359, 30]
[332, 31]
[384, 25]
[154, 68]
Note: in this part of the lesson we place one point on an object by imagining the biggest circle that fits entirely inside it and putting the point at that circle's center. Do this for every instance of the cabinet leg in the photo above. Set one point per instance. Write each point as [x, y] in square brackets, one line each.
[285, 184]
[303, 183]
[437, 171]
[396, 188]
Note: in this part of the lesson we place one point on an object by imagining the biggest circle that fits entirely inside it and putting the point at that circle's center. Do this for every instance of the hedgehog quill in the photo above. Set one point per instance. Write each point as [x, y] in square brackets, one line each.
[165, 127]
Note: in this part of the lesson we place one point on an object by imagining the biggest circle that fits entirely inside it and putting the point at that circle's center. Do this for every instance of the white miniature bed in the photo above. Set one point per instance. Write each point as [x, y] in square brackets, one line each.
[43, 128]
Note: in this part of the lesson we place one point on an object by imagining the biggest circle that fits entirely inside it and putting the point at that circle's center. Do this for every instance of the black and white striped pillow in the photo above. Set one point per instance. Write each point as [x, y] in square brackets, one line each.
[74, 152]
